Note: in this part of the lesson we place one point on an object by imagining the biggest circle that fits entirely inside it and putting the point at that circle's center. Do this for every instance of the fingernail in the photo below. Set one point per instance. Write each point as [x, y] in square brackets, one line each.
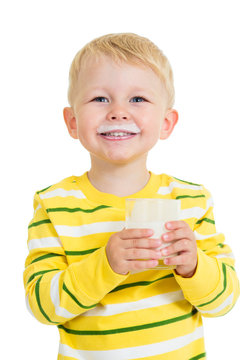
[165, 237]
[164, 252]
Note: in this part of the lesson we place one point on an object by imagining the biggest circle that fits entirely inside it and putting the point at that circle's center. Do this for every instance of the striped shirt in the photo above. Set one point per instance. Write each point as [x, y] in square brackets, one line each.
[102, 315]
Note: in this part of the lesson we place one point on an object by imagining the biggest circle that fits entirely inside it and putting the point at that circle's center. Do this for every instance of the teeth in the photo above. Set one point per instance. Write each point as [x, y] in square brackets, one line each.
[117, 134]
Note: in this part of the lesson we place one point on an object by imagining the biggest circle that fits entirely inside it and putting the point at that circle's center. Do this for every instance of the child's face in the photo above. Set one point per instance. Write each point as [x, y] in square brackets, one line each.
[111, 97]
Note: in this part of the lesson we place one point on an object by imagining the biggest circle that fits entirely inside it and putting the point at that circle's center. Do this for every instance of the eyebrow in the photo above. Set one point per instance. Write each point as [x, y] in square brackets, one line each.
[133, 89]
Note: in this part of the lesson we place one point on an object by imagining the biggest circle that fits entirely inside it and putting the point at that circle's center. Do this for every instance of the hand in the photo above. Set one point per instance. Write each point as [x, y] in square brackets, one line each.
[126, 248]
[183, 243]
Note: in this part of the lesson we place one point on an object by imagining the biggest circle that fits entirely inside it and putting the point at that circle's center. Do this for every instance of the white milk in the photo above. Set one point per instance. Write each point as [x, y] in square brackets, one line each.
[157, 226]
[153, 214]
[159, 229]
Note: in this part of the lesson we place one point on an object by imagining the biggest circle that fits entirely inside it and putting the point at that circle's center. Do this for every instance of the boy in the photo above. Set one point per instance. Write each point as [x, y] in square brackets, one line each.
[83, 272]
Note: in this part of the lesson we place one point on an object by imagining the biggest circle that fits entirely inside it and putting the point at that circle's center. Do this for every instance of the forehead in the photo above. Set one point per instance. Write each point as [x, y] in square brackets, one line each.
[104, 70]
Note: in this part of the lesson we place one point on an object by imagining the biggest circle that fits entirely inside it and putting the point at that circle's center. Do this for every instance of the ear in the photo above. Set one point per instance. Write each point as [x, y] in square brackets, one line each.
[169, 122]
[70, 121]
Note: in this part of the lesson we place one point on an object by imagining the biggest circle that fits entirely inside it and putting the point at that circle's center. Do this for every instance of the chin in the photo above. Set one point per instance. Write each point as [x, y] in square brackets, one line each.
[119, 161]
[122, 160]
[119, 158]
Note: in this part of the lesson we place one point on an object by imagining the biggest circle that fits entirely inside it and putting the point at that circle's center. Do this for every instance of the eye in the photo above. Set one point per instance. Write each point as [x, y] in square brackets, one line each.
[100, 99]
[138, 99]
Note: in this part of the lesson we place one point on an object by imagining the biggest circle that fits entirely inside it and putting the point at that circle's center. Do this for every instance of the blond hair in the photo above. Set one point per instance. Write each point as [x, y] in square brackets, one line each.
[127, 47]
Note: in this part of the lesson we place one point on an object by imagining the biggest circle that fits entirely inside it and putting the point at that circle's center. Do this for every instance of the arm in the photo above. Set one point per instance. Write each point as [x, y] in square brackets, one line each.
[55, 291]
[214, 288]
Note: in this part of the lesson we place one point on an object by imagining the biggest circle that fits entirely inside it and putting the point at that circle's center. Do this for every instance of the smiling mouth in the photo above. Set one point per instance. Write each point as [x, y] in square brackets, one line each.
[118, 130]
[117, 135]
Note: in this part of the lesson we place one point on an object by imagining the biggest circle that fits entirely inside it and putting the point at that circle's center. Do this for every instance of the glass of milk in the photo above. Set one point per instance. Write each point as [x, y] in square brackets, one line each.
[153, 214]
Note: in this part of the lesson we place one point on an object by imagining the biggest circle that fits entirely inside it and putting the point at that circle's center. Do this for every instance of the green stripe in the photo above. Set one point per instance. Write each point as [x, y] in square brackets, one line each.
[224, 286]
[46, 221]
[37, 293]
[187, 182]
[84, 252]
[72, 210]
[140, 283]
[207, 220]
[128, 329]
[189, 196]
[231, 267]
[40, 273]
[38, 192]
[43, 257]
[75, 299]
[200, 356]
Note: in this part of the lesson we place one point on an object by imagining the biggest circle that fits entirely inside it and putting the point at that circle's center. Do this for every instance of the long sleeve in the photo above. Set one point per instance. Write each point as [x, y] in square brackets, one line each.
[214, 288]
[55, 291]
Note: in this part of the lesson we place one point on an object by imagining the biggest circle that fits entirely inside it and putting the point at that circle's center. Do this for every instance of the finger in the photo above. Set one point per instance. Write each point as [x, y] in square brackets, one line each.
[142, 264]
[126, 234]
[142, 243]
[171, 225]
[177, 247]
[183, 259]
[135, 254]
[177, 234]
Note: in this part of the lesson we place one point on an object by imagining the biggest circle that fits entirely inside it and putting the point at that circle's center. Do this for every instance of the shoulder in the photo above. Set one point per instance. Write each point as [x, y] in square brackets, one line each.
[66, 183]
[180, 188]
[195, 198]
[67, 187]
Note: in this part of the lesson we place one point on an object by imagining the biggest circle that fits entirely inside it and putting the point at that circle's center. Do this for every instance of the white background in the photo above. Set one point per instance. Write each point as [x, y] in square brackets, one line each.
[38, 41]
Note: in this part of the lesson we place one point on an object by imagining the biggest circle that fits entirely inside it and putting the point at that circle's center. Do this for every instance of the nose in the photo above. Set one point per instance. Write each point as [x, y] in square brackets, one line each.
[118, 113]
[117, 117]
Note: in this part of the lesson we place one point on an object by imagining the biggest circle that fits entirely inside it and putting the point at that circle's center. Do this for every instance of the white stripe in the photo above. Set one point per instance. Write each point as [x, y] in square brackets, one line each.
[63, 193]
[44, 242]
[225, 304]
[89, 229]
[164, 190]
[196, 212]
[54, 293]
[37, 208]
[154, 301]
[210, 203]
[229, 255]
[114, 226]
[133, 352]
[203, 237]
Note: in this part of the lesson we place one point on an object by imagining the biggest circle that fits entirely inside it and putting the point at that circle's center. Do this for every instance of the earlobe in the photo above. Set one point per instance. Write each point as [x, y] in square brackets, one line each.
[70, 121]
[169, 122]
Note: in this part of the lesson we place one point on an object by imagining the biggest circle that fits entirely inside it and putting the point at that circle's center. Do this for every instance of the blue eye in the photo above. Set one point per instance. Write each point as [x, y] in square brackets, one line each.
[100, 99]
[138, 99]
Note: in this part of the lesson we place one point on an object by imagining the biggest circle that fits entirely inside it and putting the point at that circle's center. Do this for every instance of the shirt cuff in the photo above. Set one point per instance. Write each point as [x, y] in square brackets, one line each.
[205, 280]
[94, 277]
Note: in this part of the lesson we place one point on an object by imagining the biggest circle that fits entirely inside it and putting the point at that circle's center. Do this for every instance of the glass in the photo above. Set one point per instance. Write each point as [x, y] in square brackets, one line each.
[153, 214]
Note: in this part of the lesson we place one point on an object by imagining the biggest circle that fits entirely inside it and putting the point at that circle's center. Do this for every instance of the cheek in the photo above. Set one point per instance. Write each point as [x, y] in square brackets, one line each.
[84, 122]
[87, 132]
[151, 124]
[89, 119]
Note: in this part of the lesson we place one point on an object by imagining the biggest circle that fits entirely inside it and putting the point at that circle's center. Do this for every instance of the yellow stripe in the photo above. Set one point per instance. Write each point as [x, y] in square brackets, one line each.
[132, 339]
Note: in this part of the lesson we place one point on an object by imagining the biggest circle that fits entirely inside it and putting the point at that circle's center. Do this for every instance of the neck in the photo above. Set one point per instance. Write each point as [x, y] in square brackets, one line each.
[120, 180]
